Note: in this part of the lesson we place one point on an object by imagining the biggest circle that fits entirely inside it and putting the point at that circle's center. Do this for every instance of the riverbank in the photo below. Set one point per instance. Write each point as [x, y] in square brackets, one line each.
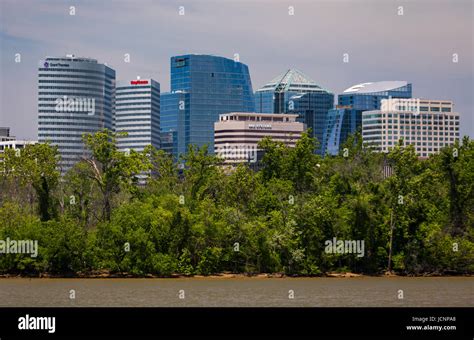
[225, 275]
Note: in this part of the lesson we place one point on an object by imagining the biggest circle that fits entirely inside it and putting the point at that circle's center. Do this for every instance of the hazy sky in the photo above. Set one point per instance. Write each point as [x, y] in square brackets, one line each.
[417, 46]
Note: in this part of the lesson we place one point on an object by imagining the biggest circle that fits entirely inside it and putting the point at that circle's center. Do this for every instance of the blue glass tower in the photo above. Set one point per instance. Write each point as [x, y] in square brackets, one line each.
[202, 88]
[175, 110]
[346, 118]
[294, 92]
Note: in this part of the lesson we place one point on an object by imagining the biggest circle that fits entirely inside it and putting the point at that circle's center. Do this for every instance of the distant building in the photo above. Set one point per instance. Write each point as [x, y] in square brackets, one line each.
[5, 134]
[428, 125]
[75, 96]
[13, 144]
[137, 112]
[294, 92]
[236, 135]
[346, 118]
[202, 88]
[10, 142]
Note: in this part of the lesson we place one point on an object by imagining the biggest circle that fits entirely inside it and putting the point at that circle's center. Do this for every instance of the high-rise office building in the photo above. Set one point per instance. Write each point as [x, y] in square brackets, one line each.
[75, 96]
[346, 118]
[202, 88]
[295, 93]
[137, 112]
[174, 122]
[428, 125]
[237, 134]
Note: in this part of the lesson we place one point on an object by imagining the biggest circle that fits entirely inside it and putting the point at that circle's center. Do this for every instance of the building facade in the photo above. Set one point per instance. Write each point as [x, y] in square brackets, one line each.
[137, 112]
[5, 134]
[428, 125]
[346, 118]
[14, 144]
[175, 110]
[295, 93]
[10, 142]
[202, 88]
[75, 96]
[236, 135]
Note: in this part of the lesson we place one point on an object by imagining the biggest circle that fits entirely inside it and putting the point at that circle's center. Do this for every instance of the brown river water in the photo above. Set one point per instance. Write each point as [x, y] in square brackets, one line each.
[240, 292]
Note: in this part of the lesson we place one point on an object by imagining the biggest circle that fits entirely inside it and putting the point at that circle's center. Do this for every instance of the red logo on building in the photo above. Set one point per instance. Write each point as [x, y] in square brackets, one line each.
[139, 82]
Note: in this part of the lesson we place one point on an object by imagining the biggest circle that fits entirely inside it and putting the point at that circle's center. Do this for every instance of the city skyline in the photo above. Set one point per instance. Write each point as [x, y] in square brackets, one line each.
[376, 51]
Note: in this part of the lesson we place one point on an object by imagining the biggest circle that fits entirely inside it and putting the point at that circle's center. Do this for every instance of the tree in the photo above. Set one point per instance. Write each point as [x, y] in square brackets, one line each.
[164, 173]
[79, 190]
[457, 163]
[302, 163]
[36, 165]
[200, 170]
[112, 169]
[405, 165]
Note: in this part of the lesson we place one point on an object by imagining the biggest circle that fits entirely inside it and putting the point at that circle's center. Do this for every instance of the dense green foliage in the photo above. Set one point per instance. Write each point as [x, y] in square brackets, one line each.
[206, 218]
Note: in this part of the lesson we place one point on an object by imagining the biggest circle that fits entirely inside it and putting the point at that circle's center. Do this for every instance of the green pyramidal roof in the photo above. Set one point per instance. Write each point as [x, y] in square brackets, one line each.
[292, 80]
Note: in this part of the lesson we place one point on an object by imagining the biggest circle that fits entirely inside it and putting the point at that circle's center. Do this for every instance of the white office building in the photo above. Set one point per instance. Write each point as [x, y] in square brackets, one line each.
[138, 113]
[428, 125]
[75, 96]
[14, 144]
[236, 134]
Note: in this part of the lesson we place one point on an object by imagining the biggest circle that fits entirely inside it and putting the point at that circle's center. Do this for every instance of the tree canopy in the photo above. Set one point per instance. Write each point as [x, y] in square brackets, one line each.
[141, 213]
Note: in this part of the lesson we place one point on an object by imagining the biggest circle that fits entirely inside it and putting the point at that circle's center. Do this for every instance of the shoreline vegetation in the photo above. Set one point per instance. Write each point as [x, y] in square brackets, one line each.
[224, 275]
[294, 214]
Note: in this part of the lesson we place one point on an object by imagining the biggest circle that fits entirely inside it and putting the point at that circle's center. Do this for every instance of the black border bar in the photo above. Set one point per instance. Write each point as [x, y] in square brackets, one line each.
[242, 323]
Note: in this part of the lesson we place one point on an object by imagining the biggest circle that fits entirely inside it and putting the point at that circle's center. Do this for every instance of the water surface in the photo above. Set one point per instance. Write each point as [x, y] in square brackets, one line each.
[240, 292]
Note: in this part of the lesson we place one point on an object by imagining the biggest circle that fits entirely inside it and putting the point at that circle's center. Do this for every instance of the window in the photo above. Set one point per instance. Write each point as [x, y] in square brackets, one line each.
[180, 62]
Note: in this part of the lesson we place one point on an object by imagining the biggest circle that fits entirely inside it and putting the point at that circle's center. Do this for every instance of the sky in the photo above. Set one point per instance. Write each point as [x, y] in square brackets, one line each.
[381, 44]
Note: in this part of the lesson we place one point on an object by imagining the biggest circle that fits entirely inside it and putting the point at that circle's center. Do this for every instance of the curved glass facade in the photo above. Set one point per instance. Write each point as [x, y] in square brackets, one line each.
[363, 100]
[75, 96]
[202, 88]
[340, 123]
[346, 118]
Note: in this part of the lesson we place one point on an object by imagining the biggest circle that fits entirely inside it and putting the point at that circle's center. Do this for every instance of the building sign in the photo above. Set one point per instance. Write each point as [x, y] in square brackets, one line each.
[46, 65]
[260, 126]
[180, 62]
[139, 82]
